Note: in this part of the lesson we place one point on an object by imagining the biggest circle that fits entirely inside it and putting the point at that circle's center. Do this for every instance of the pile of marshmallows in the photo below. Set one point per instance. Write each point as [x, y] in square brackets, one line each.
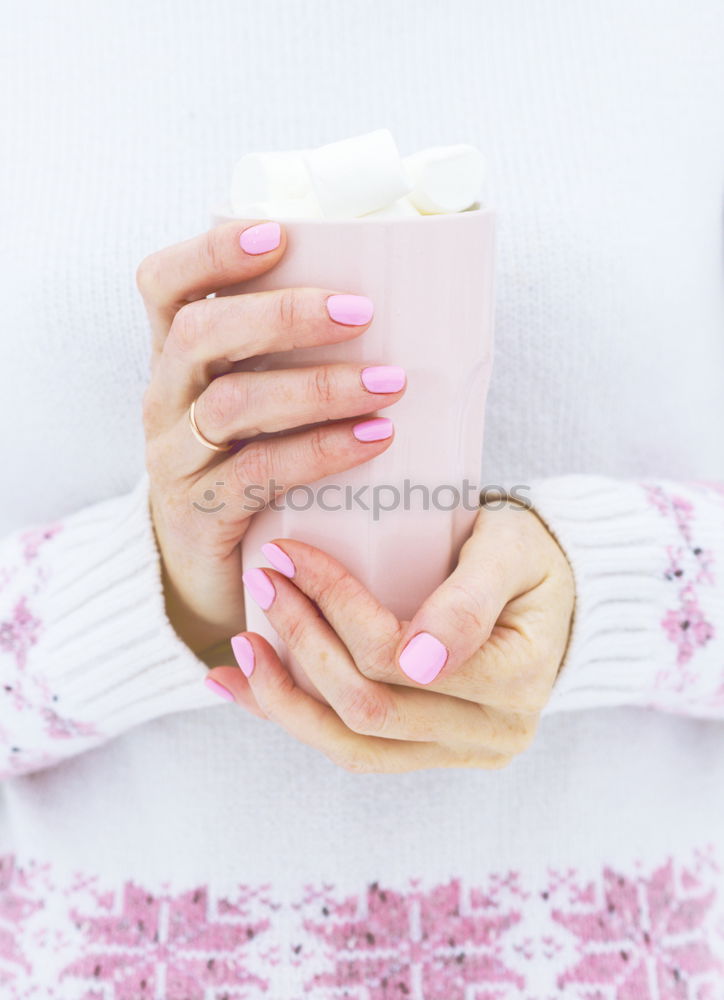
[364, 176]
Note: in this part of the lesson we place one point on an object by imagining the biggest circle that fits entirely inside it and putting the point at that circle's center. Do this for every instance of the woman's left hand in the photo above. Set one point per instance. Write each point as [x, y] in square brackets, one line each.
[461, 685]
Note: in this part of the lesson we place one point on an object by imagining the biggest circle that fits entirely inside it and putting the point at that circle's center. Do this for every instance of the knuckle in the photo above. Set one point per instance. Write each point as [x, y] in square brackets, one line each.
[252, 466]
[322, 387]
[320, 446]
[365, 712]
[519, 738]
[220, 402]
[211, 257]
[470, 615]
[294, 631]
[148, 276]
[188, 326]
[335, 587]
[375, 658]
[288, 308]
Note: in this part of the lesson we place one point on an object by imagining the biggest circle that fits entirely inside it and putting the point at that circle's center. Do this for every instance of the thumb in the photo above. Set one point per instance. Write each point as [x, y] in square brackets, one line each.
[494, 566]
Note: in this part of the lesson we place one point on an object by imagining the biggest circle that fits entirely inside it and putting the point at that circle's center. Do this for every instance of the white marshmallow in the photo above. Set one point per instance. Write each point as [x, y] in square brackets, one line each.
[356, 176]
[268, 177]
[400, 209]
[281, 208]
[445, 178]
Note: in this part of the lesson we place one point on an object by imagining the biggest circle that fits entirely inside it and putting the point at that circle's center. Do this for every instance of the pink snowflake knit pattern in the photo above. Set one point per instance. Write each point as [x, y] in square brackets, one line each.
[642, 936]
[175, 945]
[433, 943]
[653, 932]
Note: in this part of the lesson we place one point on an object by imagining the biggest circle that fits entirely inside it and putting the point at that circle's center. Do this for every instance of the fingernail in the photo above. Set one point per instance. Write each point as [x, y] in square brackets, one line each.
[219, 689]
[260, 587]
[262, 238]
[383, 378]
[423, 658]
[244, 653]
[373, 430]
[279, 559]
[353, 310]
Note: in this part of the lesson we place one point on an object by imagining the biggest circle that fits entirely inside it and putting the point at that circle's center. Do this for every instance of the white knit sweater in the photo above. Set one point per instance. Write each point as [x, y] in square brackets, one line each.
[157, 844]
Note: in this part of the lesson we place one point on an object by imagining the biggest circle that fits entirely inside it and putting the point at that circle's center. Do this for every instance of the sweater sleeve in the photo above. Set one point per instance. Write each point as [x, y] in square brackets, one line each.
[648, 563]
[86, 648]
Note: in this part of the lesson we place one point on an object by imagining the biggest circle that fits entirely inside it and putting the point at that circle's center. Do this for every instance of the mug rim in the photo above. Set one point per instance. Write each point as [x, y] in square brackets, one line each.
[224, 212]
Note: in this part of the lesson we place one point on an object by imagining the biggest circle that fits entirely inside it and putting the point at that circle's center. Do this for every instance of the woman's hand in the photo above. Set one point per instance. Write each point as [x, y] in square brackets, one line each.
[487, 645]
[198, 501]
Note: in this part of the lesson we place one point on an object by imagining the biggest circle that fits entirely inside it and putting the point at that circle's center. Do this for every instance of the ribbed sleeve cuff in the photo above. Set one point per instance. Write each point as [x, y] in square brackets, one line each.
[614, 545]
[108, 651]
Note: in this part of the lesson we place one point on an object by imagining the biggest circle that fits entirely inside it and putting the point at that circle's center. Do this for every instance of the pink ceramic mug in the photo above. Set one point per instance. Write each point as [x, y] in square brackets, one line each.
[431, 279]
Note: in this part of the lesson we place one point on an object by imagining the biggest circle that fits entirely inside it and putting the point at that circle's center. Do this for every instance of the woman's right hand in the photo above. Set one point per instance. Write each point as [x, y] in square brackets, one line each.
[196, 343]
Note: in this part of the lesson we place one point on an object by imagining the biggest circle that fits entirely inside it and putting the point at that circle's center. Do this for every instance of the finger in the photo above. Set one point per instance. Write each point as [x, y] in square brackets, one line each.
[367, 628]
[496, 564]
[245, 404]
[226, 255]
[507, 673]
[230, 684]
[319, 726]
[209, 336]
[368, 707]
[266, 468]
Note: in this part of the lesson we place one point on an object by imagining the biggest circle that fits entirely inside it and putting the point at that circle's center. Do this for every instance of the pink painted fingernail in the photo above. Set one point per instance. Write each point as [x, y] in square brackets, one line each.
[423, 658]
[383, 378]
[352, 310]
[213, 685]
[279, 559]
[373, 430]
[261, 238]
[260, 587]
[244, 653]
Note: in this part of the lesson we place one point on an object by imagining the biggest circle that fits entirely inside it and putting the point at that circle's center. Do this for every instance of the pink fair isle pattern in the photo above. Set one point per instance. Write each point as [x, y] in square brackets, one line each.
[652, 933]
[643, 936]
[35, 732]
[167, 945]
[690, 570]
[435, 943]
